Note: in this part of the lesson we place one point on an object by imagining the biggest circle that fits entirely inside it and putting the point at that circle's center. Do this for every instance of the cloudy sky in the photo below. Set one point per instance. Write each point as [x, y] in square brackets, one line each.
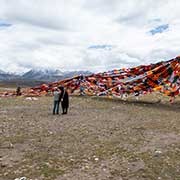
[94, 35]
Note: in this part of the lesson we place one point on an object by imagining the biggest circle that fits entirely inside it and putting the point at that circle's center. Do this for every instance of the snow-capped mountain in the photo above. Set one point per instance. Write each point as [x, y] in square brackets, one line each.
[1, 72]
[46, 75]
[7, 76]
[51, 75]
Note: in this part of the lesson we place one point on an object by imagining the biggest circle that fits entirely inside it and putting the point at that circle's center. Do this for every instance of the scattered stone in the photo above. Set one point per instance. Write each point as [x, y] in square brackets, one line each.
[50, 132]
[96, 159]
[87, 167]
[6, 173]
[11, 145]
[31, 98]
[72, 159]
[3, 165]
[22, 178]
[136, 166]
[157, 153]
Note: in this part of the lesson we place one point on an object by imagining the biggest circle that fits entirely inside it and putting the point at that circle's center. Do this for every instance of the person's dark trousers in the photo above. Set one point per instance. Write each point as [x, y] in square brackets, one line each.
[56, 107]
[65, 110]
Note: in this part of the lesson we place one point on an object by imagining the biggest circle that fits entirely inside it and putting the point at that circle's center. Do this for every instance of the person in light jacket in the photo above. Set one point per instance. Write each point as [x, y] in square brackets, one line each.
[56, 94]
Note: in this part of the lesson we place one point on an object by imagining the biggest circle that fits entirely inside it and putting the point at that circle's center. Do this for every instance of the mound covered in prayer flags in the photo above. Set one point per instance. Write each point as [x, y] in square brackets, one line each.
[163, 77]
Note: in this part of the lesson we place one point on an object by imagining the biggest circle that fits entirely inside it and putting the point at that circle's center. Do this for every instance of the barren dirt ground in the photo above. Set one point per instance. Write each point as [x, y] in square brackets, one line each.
[99, 139]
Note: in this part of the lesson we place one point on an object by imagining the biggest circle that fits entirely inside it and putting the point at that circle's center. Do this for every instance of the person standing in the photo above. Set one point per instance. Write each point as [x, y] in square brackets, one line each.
[18, 91]
[64, 99]
[56, 101]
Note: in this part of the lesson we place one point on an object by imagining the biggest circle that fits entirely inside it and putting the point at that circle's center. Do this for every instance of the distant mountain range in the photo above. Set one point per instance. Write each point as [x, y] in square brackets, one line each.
[38, 76]
[48, 75]
[7, 76]
[44, 75]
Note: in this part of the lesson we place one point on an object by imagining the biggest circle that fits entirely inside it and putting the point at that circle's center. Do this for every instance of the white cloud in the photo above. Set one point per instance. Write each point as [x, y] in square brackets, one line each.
[57, 34]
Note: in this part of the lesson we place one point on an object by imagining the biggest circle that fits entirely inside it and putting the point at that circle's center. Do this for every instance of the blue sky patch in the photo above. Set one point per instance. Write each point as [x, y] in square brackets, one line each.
[4, 24]
[103, 46]
[157, 20]
[159, 29]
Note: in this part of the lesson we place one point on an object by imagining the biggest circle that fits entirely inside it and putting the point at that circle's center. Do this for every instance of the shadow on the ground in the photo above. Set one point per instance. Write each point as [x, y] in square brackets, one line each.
[158, 104]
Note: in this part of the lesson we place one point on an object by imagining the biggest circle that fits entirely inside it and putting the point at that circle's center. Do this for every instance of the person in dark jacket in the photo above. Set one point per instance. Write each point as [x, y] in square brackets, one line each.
[18, 91]
[64, 99]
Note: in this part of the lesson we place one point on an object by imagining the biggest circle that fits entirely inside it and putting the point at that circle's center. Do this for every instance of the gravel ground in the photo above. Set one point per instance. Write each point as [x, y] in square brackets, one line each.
[99, 139]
